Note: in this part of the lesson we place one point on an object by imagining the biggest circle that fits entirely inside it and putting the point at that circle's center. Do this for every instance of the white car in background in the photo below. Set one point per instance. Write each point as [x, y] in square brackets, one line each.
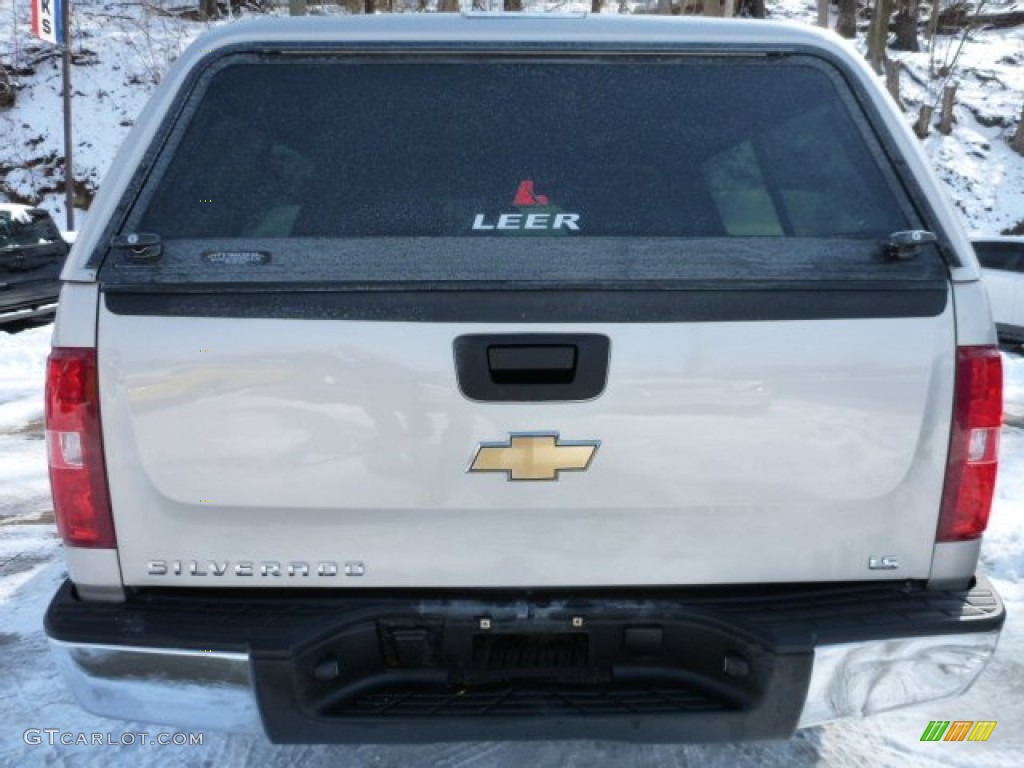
[1002, 262]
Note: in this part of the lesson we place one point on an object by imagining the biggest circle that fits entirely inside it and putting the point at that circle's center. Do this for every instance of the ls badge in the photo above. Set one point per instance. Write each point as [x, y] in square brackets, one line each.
[535, 456]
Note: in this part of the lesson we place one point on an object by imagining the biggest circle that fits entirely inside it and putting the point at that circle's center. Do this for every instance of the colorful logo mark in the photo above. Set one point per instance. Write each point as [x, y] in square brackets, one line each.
[525, 196]
[958, 730]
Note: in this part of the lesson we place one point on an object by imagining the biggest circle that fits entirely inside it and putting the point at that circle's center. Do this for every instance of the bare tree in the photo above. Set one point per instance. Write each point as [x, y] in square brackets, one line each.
[208, 9]
[933, 23]
[946, 113]
[893, 69]
[823, 13]
[846, 22]
[906, 26]
[513, 5]
[752, 8]
[595, 6]
[924, 120]
[369, 6]
[8, 93]
[1017, 142]
[878, 34]
[712, 7]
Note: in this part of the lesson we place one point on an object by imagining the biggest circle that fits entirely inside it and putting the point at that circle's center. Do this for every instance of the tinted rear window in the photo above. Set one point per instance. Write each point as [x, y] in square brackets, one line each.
[1005, 256]
[661, 147]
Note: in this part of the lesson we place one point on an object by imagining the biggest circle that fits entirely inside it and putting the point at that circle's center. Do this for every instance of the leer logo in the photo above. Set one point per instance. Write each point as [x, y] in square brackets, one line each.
[548, 219]
[958, 730]
[525, 196]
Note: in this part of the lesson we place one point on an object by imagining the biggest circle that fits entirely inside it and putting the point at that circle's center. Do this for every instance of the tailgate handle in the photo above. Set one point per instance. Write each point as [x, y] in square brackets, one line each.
[531, 367]
[532, 364]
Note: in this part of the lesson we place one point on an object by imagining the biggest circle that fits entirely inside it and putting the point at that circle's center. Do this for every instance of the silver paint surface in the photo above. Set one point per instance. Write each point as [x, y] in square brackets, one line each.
[730, 452]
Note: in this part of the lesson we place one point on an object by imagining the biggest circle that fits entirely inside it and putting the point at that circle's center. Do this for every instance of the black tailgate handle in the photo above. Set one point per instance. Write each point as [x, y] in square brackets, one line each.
[531, 367]
[532, 363]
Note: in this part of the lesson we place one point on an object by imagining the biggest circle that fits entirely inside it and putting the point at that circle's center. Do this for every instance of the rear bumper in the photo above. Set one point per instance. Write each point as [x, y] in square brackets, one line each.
[714, 665]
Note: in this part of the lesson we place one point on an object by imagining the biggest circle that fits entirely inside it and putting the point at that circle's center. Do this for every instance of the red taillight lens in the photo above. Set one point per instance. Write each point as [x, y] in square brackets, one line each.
[974, 444]
[78, 476]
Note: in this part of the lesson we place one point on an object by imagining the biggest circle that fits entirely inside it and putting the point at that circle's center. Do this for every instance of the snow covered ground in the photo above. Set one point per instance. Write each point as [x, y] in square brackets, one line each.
[984, 176]
[33, 697]
[121, 52]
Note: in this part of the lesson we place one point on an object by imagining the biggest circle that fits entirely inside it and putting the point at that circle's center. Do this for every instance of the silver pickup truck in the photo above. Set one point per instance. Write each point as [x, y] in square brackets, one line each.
[429, 378]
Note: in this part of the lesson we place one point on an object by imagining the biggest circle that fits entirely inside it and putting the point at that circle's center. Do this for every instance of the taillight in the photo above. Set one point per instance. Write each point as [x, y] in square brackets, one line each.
[974, 444]
[78, 475]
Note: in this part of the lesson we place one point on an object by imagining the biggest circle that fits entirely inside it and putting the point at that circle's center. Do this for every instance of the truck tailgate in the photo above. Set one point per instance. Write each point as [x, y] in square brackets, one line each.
[729, 452]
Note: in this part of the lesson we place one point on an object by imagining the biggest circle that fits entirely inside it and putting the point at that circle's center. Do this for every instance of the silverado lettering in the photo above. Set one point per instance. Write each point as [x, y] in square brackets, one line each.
[241, 568]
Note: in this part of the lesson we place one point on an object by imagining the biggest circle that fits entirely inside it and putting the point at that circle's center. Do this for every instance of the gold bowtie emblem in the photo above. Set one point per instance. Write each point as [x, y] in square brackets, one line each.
[534, 457]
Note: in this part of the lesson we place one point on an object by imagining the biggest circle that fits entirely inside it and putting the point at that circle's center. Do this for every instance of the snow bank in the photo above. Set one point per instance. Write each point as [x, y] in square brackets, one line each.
[18, 213]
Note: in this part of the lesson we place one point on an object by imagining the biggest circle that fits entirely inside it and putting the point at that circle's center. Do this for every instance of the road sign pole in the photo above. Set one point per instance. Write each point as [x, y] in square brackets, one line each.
[69, 175]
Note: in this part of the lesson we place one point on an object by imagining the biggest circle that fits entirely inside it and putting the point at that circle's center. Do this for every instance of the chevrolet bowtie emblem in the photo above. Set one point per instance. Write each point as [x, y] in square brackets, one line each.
[534, 456]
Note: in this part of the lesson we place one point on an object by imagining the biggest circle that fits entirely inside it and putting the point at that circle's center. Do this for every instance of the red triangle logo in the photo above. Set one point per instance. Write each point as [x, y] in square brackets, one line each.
[525, 196]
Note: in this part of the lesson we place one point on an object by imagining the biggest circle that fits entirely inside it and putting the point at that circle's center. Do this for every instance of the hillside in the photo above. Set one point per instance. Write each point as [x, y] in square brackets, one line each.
[120, 51]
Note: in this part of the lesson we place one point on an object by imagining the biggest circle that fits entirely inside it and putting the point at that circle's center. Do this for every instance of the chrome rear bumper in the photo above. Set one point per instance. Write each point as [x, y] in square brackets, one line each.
[720, 665]
[856, 679]
[215, 690]
[169, 686]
